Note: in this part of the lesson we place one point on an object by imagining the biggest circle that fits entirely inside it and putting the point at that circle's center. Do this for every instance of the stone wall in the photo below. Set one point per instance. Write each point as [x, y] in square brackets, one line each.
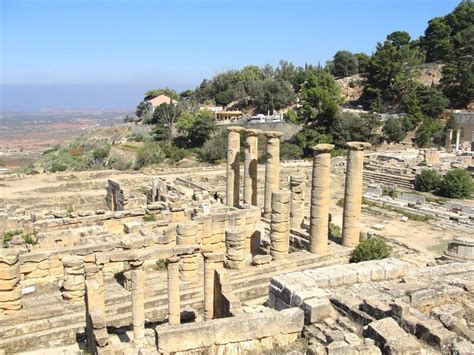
[249, 333]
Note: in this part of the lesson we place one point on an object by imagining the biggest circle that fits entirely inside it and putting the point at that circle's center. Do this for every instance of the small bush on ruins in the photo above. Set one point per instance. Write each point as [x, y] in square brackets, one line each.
[370, 249]
[457, 183]
[161, 264]
[149, 218]
[390, 191]
[334, 231]
[427, 181]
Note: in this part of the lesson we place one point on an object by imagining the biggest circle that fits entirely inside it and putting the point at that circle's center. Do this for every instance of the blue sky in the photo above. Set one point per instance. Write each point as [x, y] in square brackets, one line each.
[105, 53]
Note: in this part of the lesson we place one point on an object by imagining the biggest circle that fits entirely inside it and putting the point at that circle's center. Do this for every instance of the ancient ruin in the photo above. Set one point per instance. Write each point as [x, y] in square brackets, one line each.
[166, 265]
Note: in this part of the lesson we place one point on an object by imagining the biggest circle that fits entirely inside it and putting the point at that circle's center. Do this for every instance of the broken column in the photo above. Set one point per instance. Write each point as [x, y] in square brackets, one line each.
[172, 264]
[236, 253]
[297, 200]
[154, 190]
[449, 137]
[233, 166]
[96, 322]
[138, 301]
[272, 170]
[353, 193]
[319, 213]
[73, 286]
[280, 225]
[10, 290]
[212, 262]
[458, 139]
[187, 234]
[250, 167]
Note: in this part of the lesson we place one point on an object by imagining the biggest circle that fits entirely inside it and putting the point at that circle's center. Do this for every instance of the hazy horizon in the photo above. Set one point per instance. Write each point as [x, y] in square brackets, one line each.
[105, 54]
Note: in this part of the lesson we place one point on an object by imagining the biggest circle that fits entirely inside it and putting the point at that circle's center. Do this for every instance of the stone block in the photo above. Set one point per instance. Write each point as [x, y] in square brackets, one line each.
[388, 335]
[341, 348]
[316, 309]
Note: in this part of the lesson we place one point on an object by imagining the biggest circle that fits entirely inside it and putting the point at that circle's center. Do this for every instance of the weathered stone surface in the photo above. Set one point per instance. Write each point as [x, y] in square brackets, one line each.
[387, 334]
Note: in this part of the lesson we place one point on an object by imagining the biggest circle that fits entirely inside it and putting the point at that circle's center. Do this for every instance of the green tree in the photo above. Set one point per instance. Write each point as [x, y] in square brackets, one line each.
[150, 94]
[344, 64]
[321, 97]
[393, 130]
[391, 70]
[164, 119]
[457, 183]
[141, 109]
[273, 95]
[437, 40]
[427, 132]
[290, 151]
[291, 116]
[428, 180]
[363, 60]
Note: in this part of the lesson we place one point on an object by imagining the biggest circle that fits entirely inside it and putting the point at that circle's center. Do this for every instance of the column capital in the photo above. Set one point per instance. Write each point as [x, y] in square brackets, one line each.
[358, 145]
[323, 148]
[236, 129]
[251, 132]
[272, 134]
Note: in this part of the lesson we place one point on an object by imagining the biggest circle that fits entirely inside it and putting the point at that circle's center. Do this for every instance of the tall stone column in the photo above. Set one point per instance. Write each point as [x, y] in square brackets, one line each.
[458, 139]
[212, 262]
[11, 299]
[472, 141]
[250, 167]
[272, 170]
[233, 166]
[94, 272]
[173, 290]
[297, 200]
[96, 319]
[319, 214]
[449, 137]
[280, 225]
[353, 193]
[138, 301]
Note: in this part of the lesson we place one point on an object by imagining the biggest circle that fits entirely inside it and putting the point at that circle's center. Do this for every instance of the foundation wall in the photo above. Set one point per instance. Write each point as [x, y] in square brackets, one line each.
[250, 333]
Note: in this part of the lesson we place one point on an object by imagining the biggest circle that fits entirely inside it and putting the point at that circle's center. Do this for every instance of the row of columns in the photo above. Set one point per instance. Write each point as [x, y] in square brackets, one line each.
[272, 167]
[95, 299]
[449, 138]
[320, 194]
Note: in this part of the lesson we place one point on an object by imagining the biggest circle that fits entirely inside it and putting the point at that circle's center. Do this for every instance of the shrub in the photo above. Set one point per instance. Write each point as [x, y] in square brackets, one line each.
[7, 236]
[150, 153]
[30, 238]
[161, 264]
[390, 191]
[149, 218]
[289, 151]
[456, 183]
[214, 149]
[334, 231]
[428, 180]
[370, 249]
